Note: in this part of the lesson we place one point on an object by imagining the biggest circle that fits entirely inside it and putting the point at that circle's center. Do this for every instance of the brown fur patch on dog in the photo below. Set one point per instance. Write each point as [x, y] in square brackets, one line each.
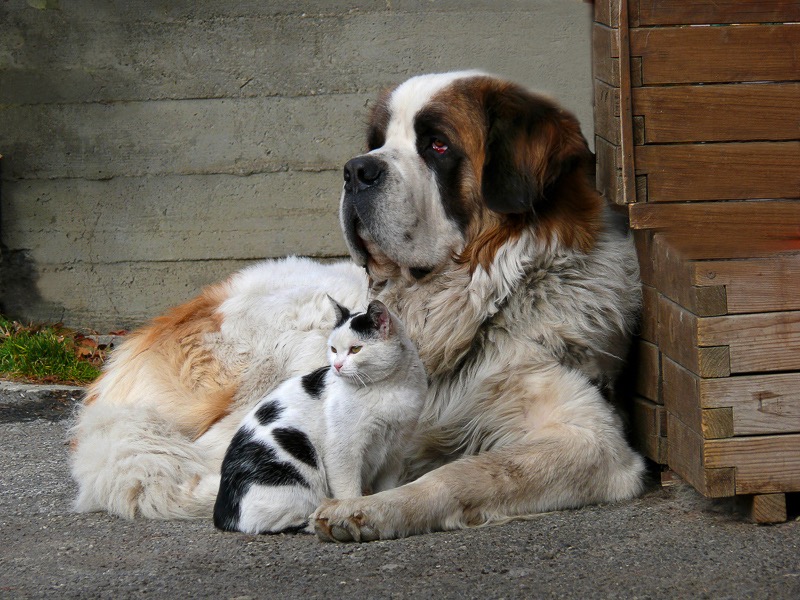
[175, 356]
[522, 143]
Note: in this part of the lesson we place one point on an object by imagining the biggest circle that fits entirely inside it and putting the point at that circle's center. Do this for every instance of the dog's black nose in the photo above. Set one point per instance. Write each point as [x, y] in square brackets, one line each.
[363, 172]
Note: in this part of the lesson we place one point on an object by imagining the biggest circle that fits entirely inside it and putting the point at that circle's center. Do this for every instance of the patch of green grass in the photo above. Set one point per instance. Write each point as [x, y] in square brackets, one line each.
[47, 354]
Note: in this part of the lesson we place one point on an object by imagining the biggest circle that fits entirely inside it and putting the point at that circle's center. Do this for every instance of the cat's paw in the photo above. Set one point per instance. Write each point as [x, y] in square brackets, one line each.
[345, 521]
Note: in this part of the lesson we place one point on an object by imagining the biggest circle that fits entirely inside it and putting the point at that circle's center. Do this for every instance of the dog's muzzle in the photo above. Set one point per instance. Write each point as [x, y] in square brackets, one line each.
[363, 180]
[363, 173]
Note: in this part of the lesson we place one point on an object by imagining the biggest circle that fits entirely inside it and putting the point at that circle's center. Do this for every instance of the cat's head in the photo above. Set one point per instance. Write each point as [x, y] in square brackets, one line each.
[366, 346]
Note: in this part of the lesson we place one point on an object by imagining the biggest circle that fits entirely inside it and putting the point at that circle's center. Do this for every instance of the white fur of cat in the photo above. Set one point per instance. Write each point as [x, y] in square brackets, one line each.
[336, 432]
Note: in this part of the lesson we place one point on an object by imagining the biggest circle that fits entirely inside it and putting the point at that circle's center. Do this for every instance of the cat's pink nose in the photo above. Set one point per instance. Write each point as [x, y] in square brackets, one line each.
[338, 366]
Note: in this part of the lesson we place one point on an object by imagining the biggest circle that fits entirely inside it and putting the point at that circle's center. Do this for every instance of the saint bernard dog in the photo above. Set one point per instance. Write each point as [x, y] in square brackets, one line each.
[473, 216]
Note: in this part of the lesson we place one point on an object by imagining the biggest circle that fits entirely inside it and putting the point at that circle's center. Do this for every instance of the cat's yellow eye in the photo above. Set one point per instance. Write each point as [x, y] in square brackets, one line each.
[333, 349]
[355, 349]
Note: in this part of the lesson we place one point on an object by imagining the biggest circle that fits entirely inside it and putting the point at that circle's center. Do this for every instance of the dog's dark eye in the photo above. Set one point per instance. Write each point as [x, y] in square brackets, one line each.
[439, 146]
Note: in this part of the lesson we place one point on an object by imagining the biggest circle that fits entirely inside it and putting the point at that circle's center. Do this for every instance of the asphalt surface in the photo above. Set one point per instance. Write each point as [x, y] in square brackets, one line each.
[670, 543]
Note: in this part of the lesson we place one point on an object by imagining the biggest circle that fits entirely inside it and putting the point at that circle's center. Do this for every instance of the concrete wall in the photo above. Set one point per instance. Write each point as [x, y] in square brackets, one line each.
[152, 147]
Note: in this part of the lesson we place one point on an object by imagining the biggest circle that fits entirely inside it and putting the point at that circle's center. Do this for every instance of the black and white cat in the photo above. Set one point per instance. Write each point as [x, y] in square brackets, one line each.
[336, 432]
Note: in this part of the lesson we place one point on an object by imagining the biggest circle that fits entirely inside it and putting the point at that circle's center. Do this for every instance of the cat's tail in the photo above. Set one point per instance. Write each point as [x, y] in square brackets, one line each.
[129, 461]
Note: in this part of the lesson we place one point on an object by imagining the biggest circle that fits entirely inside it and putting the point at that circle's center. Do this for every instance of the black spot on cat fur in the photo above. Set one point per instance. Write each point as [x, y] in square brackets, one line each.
[246, 463]
[314, 382]
[269, 412]
[364, 325]
[296, 443]
[342, 316]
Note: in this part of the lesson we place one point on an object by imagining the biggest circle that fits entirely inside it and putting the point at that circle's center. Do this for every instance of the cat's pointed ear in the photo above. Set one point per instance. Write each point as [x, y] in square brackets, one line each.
[341, 312]
[381, 318]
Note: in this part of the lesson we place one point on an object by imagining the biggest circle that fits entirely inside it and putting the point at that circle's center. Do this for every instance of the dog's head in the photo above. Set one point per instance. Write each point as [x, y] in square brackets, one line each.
[459, 164]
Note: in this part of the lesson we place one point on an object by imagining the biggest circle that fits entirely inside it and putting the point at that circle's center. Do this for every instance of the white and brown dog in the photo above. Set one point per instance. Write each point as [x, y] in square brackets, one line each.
[476, 221]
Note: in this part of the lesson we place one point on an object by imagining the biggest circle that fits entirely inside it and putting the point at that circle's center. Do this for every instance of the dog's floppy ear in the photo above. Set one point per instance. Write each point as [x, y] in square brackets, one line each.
[530, 144]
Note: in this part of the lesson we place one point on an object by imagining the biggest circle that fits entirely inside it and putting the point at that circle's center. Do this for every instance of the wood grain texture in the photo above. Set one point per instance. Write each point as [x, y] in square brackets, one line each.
[734, 53]
[649, 422]
[606, 111]
[718, 113]
[766, 508]
[755, 284]
[762, 404]
[723, 171]
[673, 274]
[685, 455]
[757, 342]
[740, 229]
[678, 338]
[644, 250]
[626, 107]
[681, 393]
[679, 12]
[605, 54]
[764, 464]
[607, 12]
[609, 173]
[648, 371]
[648, 330]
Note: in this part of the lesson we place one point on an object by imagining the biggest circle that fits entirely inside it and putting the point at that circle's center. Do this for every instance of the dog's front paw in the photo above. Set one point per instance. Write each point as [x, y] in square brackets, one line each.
[346, 521]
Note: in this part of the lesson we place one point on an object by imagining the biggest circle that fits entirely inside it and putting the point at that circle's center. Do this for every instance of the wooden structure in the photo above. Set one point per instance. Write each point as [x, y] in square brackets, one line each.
[697, 121]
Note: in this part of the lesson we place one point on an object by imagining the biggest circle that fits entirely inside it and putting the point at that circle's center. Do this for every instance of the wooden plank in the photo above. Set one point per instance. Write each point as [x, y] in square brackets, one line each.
[719, 113]
[753, 285]
[678, 339]
[606, 111]
[740, 229]
[644, 251]
[764, 464]
[733, 53]
[607, 12]
[765, 508]
[752, 217]
[756, 342]
[673, 274]
[605, 54]
[608, 174]
[670, 478]
[762, 404]
[732, 242]
[626, 107]
[648, 371]
[725, 240]
[679, 12]
[681, 393]
[725, 171]
[648, 330]
[649, 422]
[685, 453]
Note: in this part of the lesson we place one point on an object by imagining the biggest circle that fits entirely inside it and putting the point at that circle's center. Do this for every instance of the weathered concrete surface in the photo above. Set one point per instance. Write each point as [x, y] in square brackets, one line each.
[142, 139]
[667, 544]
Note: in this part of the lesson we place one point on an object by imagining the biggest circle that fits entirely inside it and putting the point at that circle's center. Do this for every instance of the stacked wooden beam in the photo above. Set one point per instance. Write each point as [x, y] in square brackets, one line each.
[697, 122]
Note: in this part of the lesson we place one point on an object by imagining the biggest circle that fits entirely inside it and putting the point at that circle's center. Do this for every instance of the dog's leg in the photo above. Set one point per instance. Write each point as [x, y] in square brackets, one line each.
[558, 466]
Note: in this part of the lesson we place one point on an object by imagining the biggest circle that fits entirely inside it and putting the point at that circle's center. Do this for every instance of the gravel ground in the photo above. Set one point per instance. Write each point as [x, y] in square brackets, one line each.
[670, 543]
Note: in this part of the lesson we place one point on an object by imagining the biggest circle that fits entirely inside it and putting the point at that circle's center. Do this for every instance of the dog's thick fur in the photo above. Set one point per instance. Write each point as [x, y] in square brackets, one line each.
[476, 221]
